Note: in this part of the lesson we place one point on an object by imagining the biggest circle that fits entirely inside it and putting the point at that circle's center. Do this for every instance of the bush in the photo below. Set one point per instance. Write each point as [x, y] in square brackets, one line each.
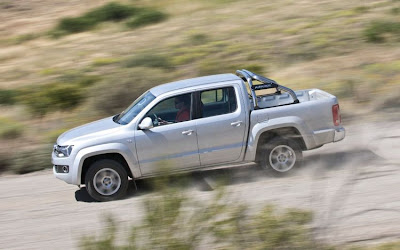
[64, 95]
[10, 129]
[31, 160]
[75, 25]
[109, 12]
[376, 31]
[77, 78]
[8, 96]
[148, 60]
[173, 221]
[395, 11]
[146, 17]
[105, 61]
[52, 97]
[25, 37]
[198, 39]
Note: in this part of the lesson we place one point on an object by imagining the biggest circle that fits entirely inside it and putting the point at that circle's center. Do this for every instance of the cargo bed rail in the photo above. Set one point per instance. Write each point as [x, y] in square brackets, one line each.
[267, 83]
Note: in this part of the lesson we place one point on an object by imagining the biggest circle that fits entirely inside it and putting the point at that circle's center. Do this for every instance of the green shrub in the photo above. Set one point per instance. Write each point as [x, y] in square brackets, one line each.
[52, 97]
[87, 80]
[10, 129]
[110, 12]
[148, 60]
[63, 96]
[198, 38]
[76, 24]
[78, 78]
[146, 17]
[25, 37]
[376, 31]
[8, 96]
[395, 11]
[31, 160]
[48, 71]
[105, 61]
[173, 221]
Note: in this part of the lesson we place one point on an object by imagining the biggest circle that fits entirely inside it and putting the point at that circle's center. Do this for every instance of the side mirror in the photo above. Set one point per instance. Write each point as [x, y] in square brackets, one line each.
[147, 123]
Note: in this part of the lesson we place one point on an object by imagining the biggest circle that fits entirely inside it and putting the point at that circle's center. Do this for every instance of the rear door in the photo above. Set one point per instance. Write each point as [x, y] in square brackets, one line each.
[221, 124]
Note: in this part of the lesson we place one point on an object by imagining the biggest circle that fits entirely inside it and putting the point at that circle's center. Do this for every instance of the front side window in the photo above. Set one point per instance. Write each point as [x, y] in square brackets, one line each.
[218, 101]
[172, 110]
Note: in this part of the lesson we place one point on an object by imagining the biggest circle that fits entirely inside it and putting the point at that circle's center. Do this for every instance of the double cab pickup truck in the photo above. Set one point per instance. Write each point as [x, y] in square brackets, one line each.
[198, 124]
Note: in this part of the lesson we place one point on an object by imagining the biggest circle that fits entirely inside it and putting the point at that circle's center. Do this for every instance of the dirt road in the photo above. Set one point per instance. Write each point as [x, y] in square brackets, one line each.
[352, 187]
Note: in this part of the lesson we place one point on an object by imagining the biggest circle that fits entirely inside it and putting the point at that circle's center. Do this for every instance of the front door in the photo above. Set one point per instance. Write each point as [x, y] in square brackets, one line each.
[172, 143]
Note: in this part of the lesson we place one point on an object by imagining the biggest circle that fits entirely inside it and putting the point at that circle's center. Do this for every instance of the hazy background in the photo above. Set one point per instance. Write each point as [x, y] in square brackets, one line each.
[66, 63]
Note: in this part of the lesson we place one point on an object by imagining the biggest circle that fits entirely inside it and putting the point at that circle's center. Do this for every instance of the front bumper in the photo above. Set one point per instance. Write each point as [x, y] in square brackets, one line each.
[339, 134]
[71, 176]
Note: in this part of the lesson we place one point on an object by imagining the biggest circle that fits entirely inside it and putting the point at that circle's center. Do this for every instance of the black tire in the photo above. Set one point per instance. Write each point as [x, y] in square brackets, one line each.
[280, 155]
[106, 180]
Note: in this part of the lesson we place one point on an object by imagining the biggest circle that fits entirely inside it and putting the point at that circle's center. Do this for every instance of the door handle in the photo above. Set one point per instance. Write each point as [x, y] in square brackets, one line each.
[187, 132]
[236, 124]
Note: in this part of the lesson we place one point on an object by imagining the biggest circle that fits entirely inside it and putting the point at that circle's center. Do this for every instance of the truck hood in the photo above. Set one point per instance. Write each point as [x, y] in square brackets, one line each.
[87, 131]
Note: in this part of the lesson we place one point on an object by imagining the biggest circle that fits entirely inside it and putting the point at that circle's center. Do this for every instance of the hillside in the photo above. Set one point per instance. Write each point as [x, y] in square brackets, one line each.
[52, 80]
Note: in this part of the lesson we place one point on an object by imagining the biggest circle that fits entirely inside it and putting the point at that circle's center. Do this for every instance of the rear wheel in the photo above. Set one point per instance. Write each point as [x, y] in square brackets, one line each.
[106, 180]
[281, 155]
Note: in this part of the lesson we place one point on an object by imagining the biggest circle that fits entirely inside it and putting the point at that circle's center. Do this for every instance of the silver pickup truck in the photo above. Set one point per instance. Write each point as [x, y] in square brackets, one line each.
[197, 124]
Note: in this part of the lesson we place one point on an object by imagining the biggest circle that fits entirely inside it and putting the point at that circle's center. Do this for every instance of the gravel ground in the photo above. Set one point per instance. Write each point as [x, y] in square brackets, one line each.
[351, 186]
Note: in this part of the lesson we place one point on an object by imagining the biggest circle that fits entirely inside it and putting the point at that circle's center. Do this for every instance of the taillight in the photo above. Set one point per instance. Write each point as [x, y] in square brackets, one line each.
[336, 115]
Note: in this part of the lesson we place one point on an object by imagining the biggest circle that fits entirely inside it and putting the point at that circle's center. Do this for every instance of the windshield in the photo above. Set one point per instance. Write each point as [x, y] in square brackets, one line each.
[134, 109]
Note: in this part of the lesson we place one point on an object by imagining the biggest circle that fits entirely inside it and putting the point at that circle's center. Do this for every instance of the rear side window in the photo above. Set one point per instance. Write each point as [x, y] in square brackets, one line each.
[217, 102]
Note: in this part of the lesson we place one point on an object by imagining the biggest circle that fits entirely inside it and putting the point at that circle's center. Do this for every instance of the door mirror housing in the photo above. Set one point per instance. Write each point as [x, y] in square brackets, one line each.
[146, 124]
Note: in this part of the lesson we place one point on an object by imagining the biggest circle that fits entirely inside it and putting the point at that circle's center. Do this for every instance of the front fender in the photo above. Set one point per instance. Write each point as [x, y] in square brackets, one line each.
[118, 148]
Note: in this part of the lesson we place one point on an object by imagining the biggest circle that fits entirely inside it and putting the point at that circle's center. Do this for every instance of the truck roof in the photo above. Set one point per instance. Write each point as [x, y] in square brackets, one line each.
[198, 81]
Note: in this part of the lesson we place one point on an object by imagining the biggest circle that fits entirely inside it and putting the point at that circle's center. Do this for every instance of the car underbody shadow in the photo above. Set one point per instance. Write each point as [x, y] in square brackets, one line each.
[82, 195]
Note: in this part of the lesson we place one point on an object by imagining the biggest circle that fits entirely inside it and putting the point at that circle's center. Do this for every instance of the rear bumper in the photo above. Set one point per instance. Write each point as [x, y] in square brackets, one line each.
[339, 134]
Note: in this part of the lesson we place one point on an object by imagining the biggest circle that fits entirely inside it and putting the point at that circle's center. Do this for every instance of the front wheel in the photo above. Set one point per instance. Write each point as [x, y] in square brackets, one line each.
[106, 180]
[281, 155]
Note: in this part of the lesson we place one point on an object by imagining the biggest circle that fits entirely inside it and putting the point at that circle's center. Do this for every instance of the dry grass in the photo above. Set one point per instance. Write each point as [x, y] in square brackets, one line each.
[282, 36]
[301, 44]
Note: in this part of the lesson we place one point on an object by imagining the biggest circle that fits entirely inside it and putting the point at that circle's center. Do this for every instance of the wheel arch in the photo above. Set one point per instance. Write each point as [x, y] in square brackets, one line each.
[110, 156]
[116, 151]
[284, 132]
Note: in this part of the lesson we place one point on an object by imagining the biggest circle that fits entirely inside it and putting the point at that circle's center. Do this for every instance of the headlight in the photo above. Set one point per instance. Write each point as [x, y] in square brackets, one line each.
[62, 151]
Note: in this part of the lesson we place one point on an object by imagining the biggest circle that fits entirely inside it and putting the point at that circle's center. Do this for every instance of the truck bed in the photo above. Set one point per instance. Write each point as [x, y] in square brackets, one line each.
[274, 100]
[312, 116]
